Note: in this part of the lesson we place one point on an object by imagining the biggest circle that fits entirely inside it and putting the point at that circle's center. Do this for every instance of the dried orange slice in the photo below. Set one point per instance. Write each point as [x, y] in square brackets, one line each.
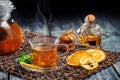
[98, 54]
[88, 63]
[31, 66]
[74, 59]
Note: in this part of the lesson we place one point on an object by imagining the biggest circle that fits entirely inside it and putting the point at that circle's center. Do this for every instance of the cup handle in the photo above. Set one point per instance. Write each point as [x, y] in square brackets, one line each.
[67, 48]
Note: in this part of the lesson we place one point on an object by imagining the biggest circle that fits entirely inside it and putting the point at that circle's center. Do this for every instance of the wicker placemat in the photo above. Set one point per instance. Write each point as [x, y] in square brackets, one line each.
[8, 63]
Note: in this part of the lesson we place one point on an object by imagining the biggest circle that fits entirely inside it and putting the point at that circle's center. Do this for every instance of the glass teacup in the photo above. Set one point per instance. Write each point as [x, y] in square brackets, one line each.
[45, 51]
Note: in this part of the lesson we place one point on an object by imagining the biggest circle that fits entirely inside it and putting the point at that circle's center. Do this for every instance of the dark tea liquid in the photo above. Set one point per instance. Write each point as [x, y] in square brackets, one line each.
[94, 40]
[91, 43]
[91, 40]
[11, 38]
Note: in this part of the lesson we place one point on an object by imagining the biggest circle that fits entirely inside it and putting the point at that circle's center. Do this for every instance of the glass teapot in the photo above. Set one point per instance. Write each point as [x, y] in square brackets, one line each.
[10, 31]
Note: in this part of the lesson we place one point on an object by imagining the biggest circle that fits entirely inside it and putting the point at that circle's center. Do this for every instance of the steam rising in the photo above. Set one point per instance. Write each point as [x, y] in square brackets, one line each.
[41, 24]
[45, 26]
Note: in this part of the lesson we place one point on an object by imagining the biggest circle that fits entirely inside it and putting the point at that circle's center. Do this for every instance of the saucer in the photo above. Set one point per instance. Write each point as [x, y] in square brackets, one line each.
[61, 63]
[40, 69]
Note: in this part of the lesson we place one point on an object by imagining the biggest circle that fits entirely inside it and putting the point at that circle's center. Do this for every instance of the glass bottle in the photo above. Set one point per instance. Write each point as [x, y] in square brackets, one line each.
[90, 32]
[10, 31]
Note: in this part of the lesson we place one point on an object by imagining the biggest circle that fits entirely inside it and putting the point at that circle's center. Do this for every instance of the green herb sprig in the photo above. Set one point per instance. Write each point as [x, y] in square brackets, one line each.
[25, 58]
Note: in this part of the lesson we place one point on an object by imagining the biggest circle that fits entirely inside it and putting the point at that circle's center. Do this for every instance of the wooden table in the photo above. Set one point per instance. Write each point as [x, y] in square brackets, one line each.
[111, 73]
[8, 68]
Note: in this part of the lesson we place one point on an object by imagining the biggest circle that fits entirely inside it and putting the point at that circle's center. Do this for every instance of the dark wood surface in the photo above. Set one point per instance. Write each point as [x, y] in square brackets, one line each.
[110, 73]
[107, 74]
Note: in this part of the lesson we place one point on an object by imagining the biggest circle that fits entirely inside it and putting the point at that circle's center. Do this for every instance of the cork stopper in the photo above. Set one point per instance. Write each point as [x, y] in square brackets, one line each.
[90, 18]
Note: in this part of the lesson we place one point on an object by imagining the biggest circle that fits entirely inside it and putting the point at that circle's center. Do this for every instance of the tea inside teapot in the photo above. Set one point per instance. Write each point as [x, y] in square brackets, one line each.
[10, 37]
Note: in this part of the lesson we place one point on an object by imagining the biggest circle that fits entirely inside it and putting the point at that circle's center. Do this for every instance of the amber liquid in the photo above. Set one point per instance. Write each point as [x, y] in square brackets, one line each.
[45, 56]
[91, 40]
[11, 38]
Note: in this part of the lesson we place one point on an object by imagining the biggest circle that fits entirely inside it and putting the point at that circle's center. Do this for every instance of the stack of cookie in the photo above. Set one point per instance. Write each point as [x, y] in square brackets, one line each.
[69, 38]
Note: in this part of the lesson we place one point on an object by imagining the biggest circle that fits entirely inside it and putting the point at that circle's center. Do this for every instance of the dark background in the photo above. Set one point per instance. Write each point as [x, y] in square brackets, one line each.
[65, 8]
[70, 13]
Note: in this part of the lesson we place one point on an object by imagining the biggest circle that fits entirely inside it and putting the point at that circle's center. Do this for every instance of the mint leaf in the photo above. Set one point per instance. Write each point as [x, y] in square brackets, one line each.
[29, 61]
[29, 55]
[23, 54]
[25, 58]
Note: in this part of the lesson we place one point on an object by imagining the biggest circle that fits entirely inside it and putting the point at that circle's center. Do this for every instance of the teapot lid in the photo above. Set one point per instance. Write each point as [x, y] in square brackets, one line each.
[6, 7]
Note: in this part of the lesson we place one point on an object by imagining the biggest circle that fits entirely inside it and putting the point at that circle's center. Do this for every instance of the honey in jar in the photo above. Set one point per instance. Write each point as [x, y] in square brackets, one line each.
[90, 40]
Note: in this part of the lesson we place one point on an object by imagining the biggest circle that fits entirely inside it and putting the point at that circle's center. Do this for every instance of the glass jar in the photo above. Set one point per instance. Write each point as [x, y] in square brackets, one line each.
[89, 33]
[10, 31]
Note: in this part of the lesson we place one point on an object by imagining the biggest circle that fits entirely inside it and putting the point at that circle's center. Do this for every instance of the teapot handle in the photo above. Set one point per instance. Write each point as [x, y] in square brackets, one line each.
[67, 48]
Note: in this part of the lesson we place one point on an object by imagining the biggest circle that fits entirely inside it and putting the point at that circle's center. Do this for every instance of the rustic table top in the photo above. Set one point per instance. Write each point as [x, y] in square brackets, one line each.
[108, 70]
